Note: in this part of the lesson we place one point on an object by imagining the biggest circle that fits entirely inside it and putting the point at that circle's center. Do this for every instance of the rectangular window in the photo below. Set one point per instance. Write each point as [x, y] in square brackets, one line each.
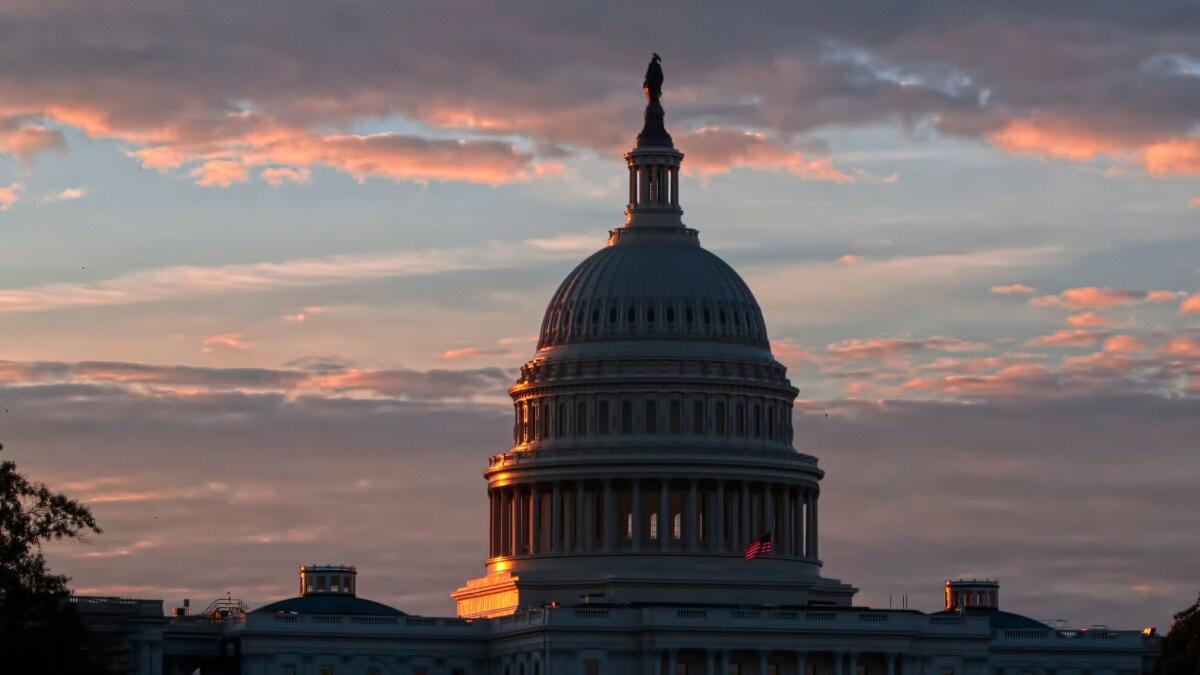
[698, 417]
[676, 417]
[651, 417]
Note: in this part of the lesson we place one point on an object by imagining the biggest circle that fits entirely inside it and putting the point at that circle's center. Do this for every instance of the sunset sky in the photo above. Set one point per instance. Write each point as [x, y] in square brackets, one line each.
[268, 268]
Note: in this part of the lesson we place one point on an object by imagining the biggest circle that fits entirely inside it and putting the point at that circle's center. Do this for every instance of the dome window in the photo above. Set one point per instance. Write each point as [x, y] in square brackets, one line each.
[724, 319]
[627, 417]
[698, 417]
[612, 314]
[670, 314]
[707, 316]
[602, 418]
[689, 316]
[631, 315]
[595, 315]
[581, 419]
[649, 315]
[651, 417]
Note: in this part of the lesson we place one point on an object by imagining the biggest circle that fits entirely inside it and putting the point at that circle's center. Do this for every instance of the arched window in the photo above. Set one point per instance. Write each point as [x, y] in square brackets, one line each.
[698, 417]
[719, 418]
[602, 418]
[670, 314]
[724, 319]
[612, 314]
[531, 421]
[649, 315]
[560, 422]
[544, 431]
[689, 316]
[651, 417]
[757, 420]
[739, 419]
[707, 317]
[627, 417]
[631, 315]
[595, 315]
[581, 419]
[675, 417]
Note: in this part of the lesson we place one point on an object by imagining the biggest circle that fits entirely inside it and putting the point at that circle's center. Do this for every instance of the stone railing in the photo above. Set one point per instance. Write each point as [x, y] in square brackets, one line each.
[98, 603]
[683, 451]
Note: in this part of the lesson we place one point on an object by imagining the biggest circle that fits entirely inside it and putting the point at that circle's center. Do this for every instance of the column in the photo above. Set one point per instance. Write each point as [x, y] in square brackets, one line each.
[808, 533]
[506, 498]
[556, 518]
[520, 521]
[691, 517]
[635, 494]
[719, 521]
[491, 524]
[787, 527]
[891, 663]
[643, 184]
[838, 657]
[610, 517]
[764, 657]
[744, 513]
[853, 663]
[675, 186]
[664, 513]
[670, 662]
[710, 666]
[535, 519]
[815, 541]
[632, 187]
[579, 522]
[769, 511]
[800, 657]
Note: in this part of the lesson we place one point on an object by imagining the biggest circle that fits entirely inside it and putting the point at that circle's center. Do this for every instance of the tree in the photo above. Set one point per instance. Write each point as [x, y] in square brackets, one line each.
[40, 632]
[1181, 647]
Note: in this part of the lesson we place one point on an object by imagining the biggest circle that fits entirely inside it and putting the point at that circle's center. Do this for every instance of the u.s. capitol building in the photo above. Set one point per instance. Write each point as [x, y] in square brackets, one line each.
[652, 441]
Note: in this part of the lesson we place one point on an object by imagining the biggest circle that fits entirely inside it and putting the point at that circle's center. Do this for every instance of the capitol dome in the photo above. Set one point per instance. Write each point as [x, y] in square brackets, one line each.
[653, 285]
[652, 431]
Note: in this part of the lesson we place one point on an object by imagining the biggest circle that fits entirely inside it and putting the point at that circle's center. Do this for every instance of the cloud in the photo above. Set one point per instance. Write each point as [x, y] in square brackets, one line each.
[218, 341]
[1067, 338]
[278, 175]
[302, 315]
[1190, 305]
[1067, 141]
[892, 349]
[1175, 156]
[66, 195]
[850, 260]
[1089, 319]
[1011, 289]
[219, 173]
[188, 281]
[1091, 297]
[1124, 344]
[712, 151]
[24, 140]
[8, 195]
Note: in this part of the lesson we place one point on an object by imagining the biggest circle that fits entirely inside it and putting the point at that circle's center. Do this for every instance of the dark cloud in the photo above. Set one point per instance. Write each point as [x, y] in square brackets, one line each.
[1071, 79]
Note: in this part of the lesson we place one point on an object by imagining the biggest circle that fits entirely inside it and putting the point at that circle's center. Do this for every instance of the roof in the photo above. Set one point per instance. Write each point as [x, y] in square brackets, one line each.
[999, 620]
[329, 604]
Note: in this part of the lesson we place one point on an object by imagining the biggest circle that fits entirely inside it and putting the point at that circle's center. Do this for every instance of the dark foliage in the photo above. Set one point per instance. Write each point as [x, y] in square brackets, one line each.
[40, 632]
[1181, 647]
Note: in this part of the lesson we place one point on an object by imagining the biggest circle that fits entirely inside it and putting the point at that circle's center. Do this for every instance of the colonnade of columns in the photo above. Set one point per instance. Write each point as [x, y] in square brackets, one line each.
[648, 515]
[719, 661]
[654, 184]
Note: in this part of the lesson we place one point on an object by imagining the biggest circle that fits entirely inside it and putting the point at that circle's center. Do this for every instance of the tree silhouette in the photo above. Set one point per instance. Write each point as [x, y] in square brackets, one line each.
[40, 632]
[1181, 647]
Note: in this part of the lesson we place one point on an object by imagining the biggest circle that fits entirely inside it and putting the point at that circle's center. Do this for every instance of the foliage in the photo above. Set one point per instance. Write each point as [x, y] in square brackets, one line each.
[1181, 647]
[40, 632]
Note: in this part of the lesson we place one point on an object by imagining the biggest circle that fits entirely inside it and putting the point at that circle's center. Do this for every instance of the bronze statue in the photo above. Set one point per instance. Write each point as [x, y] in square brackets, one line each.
[654, 79]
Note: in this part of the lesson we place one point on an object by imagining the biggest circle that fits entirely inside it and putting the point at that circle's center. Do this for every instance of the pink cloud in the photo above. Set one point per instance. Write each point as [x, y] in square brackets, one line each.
[1174, 156]
[1182, 347]
[8, 195]
[1091, 297]
[219, 173]
[1089, 319]
[1061, 140]
[25, 141]
[1123, 344]
[850, 260]
[235, 341]
[1067, 338]
[789, 352]
[713, 151]
[459, 354]
[278, 175]
[1190, 305]
[1012, 289]
[884, 349]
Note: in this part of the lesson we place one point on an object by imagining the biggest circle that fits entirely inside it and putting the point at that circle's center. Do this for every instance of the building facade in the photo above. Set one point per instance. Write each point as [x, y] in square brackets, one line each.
[652, 441]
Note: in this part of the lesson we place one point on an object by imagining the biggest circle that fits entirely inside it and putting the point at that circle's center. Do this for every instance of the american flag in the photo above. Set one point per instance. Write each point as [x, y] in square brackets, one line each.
[760, 546]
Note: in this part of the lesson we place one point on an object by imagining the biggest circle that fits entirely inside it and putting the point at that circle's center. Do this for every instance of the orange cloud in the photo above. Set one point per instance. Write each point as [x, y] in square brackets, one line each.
[789, 352]
[1089, 319]
[1190, 305]
[1123, 344]
[850, 260]
[26, 141]
[1182, 347]
[1066, 338]
[1176, 156]
[713, 151]
[1054, 139]
[1012, 289]
[8, 195]
[219, 173]
[1091, 297]
[459, 354]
